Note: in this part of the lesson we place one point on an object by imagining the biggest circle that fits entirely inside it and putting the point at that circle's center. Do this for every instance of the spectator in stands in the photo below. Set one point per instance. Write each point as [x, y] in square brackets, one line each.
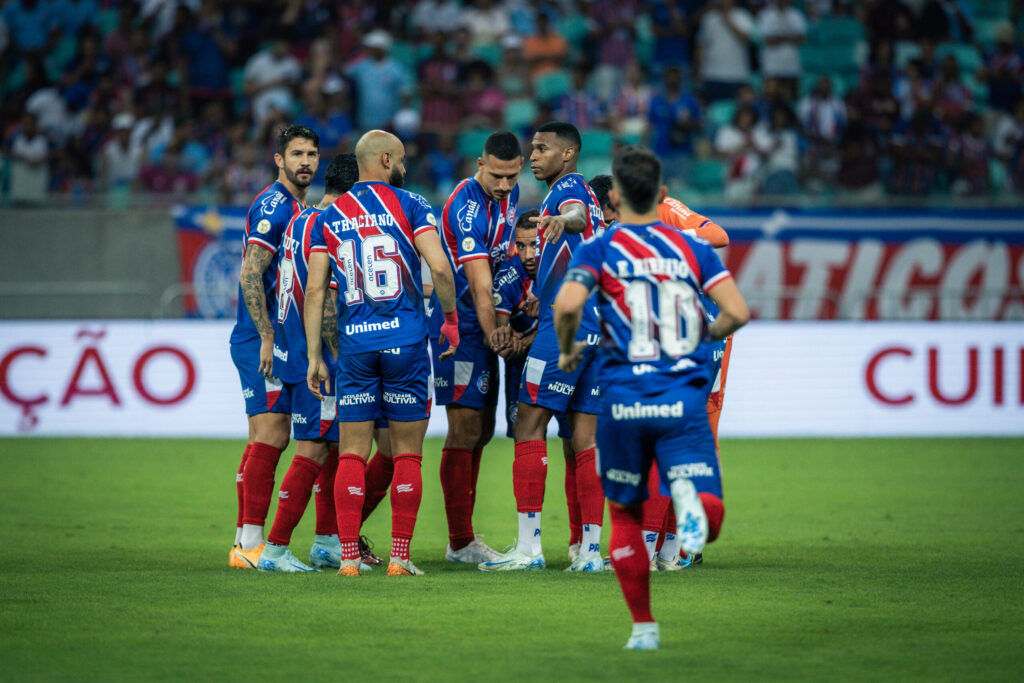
[671, 33]
[675, 118]
[515, 72]
[613, 32]
[381, 83]
[1008, 134]
[546, 50]
[736, 145]
[245, 176]
[942, 20]
[779, 146]
[890, 20]
[70, 16]
[1003, 69]
[29, 163]
[858, 163]
[443, 162]
[952, 98]
[440, 89]
[333, 125]
[723, 42]
[970, 153]
[485, 104]
[82, 72]
[581, 107]
[913, 90]
[783, 29]
[30, 26]
[209, 44]
[918, 151]
[122, 159]
[873, 105]
[435, 16]
[168, 176]
[486, 20]
[269, 78]
[823, 117]
[632, 104]
[155, 91]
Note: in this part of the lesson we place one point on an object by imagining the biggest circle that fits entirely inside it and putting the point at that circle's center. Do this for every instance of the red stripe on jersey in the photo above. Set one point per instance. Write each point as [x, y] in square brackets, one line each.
[389, 200]
[679, 241]
[448, 235]
[636, 249]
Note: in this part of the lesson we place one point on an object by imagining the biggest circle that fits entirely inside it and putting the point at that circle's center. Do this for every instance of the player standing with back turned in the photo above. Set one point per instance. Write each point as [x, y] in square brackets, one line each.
[655, 370]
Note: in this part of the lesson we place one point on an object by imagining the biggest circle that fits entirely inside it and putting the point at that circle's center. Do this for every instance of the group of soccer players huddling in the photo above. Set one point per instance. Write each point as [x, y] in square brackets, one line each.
[608, 304]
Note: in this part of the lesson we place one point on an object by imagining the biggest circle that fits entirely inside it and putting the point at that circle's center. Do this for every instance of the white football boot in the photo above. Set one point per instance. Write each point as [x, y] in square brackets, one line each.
[513, 560]
[691, 520]
[474, 553]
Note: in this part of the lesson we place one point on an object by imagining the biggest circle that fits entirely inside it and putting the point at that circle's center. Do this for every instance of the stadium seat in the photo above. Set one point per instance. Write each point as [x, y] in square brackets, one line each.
[708, 175]
[967, 56]
[490, 53]
[519, 114]
[574, 29]
[990, 9]
[905, 51]
[107, 20]
[471, 142]
[836, 30]
[985, 32]
[722, 111]
[592, 166]
[551, 85]
[596, 143]
[405, 54]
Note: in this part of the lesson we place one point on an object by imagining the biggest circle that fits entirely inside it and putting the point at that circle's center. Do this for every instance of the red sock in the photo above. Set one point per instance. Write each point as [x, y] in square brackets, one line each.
[326, 515]
[378, 478]
[715, 510]
[457, 485]
[292, 498]
[349, 486]
[238, 484]
[629, 559]
[477, 455]
[406, 494]
[656, 504]
[588, 488]
[529, 470]
[258, 481]
[572, 501]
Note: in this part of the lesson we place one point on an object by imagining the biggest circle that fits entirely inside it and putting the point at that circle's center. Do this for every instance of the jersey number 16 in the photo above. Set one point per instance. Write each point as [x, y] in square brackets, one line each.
[381, 277]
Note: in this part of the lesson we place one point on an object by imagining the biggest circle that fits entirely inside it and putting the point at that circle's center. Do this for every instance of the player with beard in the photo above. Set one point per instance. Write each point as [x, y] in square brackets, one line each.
[372, 237]
[252, 339]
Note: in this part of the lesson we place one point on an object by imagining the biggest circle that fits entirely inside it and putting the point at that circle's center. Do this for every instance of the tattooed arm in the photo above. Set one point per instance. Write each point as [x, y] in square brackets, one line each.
[251, 279]
[329, 325]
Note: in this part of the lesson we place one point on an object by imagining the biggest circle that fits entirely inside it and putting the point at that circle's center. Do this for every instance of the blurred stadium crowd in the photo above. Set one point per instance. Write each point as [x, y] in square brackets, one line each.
[747, 98]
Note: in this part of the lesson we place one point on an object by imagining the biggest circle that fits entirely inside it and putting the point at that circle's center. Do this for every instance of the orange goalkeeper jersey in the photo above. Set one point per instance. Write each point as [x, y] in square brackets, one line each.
[673, 212]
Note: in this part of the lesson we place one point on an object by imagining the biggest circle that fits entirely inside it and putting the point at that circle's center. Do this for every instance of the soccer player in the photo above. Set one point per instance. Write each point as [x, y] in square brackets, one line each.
[658, 515]
[372, 237]
[252, 339]
[477, 223]
[313, 421]
[655, 370]
[568, 215]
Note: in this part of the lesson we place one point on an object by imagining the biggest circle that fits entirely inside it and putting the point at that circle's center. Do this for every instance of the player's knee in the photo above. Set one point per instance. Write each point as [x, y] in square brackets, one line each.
[530, 423]
[464, 429]
[714, 508]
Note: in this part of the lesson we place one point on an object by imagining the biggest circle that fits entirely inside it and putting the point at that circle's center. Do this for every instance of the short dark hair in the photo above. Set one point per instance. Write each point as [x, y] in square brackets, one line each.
[564, 130]
[342, 173]
[290, 133]
[600, 184]
[638, 176]
[503, 145]
[523, 219]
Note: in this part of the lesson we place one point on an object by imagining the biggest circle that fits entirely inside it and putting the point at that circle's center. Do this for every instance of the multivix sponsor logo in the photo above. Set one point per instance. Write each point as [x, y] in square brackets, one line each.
[637, 411]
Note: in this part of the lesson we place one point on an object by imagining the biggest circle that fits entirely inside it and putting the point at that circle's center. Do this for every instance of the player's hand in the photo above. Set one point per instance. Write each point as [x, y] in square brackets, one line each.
[567, 362]
[266, 356]
[551, 227]
[450, 331]
[531, 307]
[316, 374]
[501, 337]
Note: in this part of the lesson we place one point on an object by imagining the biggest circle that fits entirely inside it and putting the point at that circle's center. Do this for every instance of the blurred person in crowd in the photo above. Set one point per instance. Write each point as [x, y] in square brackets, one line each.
[208, 46]
[486, 20]
[779, 146]
[913, 90]
[580, 106]
[82, 72]
[122, 159]
[155, 91]
[942, 20]
[29, 156]
[435, 16]
[823, 117]
[671, 33]
[168, 176]
[736, 144]
[443, 161]
[440, 89]
[952, 98]
[244, 176]
[159, 16]
[917, 151]
[515, 73]
[30, 27]
[333, 125]
[117, 41]
[51, 112]
[723, 42]
[969, 155]
[1008, 133]
[485, 103]
[545, 50]
[889, 20]
[873, 104]
[613, 32]
[858, 162]
[783, 29]
[70, 16]
[675, 119]
[522, 16]
[632, 103]
[761, 103]
[269, 77]
[1003, 69]
[380, 82]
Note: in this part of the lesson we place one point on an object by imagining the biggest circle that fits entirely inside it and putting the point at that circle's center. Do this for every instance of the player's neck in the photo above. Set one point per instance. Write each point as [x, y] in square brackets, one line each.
[327, 200]
[629, 217]
[565, 172]
[298, 192]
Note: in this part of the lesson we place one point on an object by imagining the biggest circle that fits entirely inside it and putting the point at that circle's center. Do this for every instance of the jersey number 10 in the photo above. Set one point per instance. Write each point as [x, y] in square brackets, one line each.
[677, 305]
[381, 277]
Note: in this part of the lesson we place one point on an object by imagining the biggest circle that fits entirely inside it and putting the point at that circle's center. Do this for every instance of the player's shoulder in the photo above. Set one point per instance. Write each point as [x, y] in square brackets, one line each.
[273, 203]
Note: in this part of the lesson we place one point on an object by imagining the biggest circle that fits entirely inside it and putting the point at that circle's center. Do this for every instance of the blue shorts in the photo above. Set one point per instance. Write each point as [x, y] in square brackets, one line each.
[470, 377]
[513, 373]
[261, 394]
[641, 420]
[312, 419]
[544, 385]
[391, 383]
[718, 352]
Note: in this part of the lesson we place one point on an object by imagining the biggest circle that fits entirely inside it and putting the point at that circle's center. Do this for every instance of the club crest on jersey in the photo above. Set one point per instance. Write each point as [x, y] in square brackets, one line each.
[263, 227]
[483, 382]
[468, 244]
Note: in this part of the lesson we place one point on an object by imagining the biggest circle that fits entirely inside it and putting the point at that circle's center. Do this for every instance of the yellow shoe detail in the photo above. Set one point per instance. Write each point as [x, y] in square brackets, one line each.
[248, 559]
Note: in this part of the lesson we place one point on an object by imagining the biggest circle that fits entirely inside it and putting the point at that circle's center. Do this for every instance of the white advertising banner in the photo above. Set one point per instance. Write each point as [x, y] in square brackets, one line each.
[129, 378]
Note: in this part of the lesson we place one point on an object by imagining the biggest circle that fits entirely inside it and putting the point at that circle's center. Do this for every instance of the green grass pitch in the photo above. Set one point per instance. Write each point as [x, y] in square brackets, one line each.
[840, 559]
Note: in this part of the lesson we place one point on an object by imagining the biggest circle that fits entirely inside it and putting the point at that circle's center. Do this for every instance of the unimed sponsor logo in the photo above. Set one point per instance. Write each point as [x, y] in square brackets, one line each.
[372, 327]
[638, 411]
[280, 353]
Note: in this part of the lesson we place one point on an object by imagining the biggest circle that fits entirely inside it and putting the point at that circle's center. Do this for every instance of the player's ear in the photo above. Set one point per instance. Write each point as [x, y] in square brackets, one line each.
[279, 160]
[613, 198]
[479, 163]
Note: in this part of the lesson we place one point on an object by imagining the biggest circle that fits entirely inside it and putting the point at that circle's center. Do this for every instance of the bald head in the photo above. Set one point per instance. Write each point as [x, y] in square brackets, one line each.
[381, 158]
